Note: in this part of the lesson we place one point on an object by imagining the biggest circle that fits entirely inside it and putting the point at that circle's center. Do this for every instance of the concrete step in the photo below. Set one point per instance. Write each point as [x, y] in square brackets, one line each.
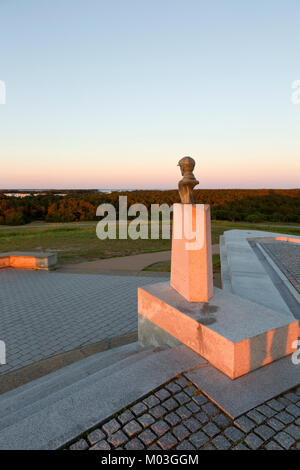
[61, 416]
[26, 400]
[41, 398]
[101, 359]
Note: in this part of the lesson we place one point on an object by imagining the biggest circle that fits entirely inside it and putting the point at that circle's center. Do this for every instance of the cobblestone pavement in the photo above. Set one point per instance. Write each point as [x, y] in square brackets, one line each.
[287, 257]
[43, 314]
[177, 416]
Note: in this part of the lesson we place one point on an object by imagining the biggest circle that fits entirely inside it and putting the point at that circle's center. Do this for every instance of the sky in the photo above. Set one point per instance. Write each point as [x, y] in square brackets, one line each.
[111, 94]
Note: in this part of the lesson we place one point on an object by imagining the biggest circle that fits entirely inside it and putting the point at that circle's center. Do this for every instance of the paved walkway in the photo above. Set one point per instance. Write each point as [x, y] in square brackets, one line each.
[131, 264]
[178, 416]
[43, 314]
[122, 264]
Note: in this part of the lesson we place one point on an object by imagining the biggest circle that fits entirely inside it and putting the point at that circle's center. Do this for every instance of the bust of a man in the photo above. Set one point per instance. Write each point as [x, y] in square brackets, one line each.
[187, 183]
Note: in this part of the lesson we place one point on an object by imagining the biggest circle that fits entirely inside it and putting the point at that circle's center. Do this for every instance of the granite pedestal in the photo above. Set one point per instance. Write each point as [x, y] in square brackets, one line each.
[191, 259]
[235, 335]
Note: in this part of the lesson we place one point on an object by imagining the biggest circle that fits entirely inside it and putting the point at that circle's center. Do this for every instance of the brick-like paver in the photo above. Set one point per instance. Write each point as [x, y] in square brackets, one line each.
[96, 436]
[125, 417]
[181, 432]
[147, 437]
[234, 434]
[221, 443]
[47, 313]
[158, 411]
[80, 445]
[135, 444]
[117, 439]
[111, 426]
[146, 420]
[253, 441]
[265, 432]
[132, 428]
[284, 439]
[167, 442]
[205, 427]
[139, 408]
[211, 429]
[101, 445]
[160, 428]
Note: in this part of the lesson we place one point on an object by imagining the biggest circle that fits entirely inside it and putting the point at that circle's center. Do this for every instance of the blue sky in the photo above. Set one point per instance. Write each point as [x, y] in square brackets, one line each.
[113, 93]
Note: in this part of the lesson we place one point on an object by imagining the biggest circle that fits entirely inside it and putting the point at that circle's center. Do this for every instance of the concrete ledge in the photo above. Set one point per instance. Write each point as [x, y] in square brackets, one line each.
[28, 260]
[233, 334]
[280, 274]
[245, 274]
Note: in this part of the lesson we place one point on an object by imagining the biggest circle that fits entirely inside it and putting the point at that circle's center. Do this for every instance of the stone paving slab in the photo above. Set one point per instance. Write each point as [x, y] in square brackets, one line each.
[43, 314]
[239, 396]
[178, 416]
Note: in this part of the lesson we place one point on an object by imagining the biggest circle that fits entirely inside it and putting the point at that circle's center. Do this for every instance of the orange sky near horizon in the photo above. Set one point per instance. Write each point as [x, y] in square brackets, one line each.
[151, 171]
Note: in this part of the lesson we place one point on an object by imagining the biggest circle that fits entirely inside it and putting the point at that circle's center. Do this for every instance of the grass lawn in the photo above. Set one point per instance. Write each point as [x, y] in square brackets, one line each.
[75, 244]
[79, 243]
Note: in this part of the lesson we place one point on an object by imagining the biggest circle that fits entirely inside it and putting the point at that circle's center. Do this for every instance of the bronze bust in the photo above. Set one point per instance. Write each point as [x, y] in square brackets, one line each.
[187, 183]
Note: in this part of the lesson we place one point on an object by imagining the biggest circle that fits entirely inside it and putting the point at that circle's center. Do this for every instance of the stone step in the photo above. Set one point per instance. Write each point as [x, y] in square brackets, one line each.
[30, 398]
[64, 415]
[101, 359]
[57, 391]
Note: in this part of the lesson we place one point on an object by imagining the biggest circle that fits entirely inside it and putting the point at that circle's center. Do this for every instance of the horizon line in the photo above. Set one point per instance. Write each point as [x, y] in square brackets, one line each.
[12, 189]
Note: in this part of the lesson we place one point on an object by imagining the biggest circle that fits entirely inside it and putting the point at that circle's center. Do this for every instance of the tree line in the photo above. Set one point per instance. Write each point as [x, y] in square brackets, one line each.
[246, 205]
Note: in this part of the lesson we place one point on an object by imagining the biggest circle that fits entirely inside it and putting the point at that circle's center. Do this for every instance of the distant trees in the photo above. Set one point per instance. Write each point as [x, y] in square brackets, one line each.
[271, 206]
[261, 205]
[70, 210]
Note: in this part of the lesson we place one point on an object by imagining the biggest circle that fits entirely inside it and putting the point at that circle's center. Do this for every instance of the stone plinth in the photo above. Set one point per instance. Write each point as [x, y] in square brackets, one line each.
[233, 334]
[26, 260]
[191, 261]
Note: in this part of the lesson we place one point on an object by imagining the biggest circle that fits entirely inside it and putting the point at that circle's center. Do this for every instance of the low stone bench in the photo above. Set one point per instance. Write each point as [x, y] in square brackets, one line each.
[28, 260]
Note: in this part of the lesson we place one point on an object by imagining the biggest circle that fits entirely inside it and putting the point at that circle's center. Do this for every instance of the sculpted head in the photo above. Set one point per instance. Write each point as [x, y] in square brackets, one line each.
[187, 165]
